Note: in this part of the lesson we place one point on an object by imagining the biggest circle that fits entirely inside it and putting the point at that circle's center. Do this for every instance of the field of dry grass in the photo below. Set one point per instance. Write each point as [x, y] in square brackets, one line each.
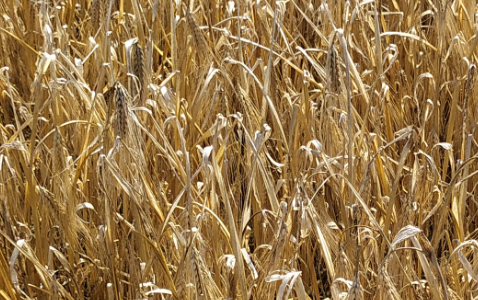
[298, 149]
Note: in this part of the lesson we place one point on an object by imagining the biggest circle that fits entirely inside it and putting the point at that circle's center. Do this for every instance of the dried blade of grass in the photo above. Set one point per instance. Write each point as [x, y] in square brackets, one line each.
[378, 44]
[404, 133]
[99, 87]
[11, 96]
[174, 49]
[282, 57]
[43, 273]
[387, 288]
[465, 262]
[22, 42]
[150, 195]
[43, 65]
[148, 61]
[288, 279]
[167, 150]
[404, 234]
[292, 128]
[13, 272]
[279, 245]
[250, 264]
[321, 71]
[138, 15]
[257, 146]
[270, 66]
[367, 211]
[427, 252]
[107, 26]
[108, 238]
[458, 209]
[5, 295]
[408, 35]
[392, 203]
[240, 48]
[450, 128]
[61, 258]
[445, 202]
[223, 226]
[467, 265]
[458, 206]
[262, 168]
[187, 169]
[123, 183]
[188, 178]
[323, 245]
[350, 119]
[5, 279]
[63, 191]
[269, 101]
[310, 22]
[162, 259]
[235, 241]
[199, 100]
[81, 87]
[380, 168]
[387, 107]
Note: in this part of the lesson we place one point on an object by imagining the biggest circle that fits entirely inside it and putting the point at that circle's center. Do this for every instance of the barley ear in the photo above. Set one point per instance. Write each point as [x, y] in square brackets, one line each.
[332, 69]
[197, 35]
[121, 110]
[138, 64]
[98, 13]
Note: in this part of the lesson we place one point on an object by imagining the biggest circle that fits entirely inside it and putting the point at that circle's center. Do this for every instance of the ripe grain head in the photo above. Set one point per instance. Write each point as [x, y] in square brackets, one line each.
[359, 118]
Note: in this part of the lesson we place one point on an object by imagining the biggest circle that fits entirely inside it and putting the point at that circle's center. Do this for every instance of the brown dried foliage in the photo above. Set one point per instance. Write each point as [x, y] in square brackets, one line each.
[277, 150]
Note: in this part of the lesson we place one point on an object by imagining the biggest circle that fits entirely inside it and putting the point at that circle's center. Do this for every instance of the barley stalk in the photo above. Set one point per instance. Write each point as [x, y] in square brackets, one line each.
[238, 149]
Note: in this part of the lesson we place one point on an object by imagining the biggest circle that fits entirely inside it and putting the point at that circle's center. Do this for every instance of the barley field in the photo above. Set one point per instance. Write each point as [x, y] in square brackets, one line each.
[206, 149]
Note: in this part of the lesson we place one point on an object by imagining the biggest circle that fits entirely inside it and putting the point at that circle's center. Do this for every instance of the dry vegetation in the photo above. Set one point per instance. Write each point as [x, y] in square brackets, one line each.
[156, 149]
